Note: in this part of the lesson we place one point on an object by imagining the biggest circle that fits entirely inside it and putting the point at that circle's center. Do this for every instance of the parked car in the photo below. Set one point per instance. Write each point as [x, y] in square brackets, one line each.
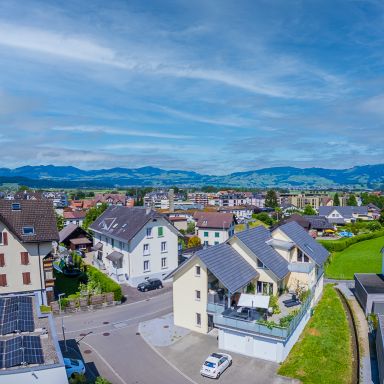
[73, 366]
[149, 285]
[216, 364]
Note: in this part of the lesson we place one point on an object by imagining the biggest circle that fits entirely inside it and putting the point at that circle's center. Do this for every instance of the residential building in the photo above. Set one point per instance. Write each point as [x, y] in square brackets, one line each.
[75, 238]
[27, 230]
[214, 228]
[240, 212]
[199, 198]
[74, 217]
[133, 244]
[110, 199]
[208, 288]
[348, 214]
[29, 348]
[180, 223]
[315, 225]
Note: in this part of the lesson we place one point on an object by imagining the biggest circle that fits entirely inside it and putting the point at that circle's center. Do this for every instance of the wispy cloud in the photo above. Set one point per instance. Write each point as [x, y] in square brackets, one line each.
[119, 132]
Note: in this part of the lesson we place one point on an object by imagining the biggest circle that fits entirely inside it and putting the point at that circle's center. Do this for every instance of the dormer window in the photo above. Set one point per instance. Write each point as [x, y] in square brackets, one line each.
[27, 231]
[16, 207]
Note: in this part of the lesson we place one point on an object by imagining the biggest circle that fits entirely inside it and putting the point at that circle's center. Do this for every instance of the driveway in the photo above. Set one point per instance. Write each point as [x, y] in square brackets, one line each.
[189, 353]
[132, 294]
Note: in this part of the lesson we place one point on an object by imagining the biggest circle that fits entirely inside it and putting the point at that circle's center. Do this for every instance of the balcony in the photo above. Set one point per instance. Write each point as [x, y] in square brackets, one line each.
[301, 267]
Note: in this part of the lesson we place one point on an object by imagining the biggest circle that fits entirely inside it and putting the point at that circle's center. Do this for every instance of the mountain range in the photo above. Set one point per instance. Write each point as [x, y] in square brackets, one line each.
[45, 176]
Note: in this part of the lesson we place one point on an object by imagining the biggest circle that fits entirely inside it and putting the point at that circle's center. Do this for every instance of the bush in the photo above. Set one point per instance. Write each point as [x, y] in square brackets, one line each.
[341, 244]
[273, 302]
[286, 320]
[251, 288]
[101, 380]
[106, 283]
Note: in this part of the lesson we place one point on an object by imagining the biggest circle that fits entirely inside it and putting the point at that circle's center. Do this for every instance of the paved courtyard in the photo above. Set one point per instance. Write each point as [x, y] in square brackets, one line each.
[132, 294]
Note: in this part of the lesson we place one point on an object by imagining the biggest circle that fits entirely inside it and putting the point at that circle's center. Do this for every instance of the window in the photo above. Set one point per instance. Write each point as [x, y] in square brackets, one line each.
[118, 263]
[163, 262]
[24, 258]
[28, 231]
[216, 243]
[205, 234]
[217, 234]
[26, 278]
[197, 270]
[149, 232]
[121, 245]
[163, 246]
[197, 295]
[2, 260]
[260, 264]
[112, 243]
[16, 207]
[1, 237]
[198, 319]
[146, 266]
[3, 280]
[146, 251]
[205, 243]
[160, 231]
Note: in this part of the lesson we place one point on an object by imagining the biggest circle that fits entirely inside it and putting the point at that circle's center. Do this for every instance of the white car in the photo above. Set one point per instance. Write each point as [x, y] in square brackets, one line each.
[216, 364]
[73, 366]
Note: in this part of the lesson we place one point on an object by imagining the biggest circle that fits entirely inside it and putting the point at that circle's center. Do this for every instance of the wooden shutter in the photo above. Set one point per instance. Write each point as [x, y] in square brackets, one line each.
[3, 280]
[26, 278]
[24, 258]
[5, 238]
[2, 260]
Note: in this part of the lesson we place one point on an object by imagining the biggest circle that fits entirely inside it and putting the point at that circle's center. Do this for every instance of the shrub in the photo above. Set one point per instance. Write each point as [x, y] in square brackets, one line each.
[101, 380]
[45, 309]
[251, 288]
[286, 320]
[105, 282]
[273, 302]
[341, 244]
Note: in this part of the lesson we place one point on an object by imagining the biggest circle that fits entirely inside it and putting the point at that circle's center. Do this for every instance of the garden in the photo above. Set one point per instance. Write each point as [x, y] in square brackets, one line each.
[323, 353]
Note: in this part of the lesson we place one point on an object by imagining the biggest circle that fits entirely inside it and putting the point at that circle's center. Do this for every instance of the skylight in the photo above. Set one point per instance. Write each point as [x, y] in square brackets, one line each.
[16, 207]
[28, 231]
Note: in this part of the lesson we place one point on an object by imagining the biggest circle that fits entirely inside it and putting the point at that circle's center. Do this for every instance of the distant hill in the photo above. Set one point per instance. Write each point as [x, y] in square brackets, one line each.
[44, 176]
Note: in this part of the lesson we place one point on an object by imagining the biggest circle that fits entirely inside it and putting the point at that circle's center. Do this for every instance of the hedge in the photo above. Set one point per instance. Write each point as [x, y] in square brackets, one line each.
[341, 244]
[106, 283]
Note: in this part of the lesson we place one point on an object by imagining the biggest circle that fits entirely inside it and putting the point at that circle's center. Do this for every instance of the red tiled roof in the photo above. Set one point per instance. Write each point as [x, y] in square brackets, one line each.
[213, 219]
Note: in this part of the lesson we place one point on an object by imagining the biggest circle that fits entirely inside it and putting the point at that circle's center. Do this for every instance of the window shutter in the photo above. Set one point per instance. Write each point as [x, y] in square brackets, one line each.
[26, 278]
[2, 261]
[3, 280]
[24, 258]
[5, 238]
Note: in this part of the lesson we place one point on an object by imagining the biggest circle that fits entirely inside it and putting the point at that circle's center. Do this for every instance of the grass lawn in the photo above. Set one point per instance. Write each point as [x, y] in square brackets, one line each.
[252, 224]
[323, 353]
[363, 257]
[65, 284]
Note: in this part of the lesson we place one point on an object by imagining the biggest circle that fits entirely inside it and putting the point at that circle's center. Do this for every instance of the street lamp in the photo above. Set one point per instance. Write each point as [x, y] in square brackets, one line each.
[62, 321]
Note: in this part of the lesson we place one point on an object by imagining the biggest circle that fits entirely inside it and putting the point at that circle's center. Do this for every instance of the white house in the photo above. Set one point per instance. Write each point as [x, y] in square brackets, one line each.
[133, 244]
[214, 228]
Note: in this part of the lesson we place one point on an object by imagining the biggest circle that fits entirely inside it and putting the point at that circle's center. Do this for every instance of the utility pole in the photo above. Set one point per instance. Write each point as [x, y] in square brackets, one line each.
[62, 321]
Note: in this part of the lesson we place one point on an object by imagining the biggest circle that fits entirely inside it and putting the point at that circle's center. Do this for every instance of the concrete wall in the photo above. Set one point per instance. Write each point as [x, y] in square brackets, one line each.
[13, 267]
[361, 295]
[40, 375]
[380, 349]
[185, 305]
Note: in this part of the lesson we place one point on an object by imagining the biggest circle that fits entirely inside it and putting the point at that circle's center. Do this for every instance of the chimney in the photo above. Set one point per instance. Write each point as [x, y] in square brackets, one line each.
[171, 198]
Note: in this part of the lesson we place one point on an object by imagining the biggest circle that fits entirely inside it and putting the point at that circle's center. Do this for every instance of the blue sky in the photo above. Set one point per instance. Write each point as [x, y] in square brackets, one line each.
[211, 86]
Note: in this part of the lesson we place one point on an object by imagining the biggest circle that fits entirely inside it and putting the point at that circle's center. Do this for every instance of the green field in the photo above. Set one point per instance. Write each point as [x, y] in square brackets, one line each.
[323, 353]
[363, 257]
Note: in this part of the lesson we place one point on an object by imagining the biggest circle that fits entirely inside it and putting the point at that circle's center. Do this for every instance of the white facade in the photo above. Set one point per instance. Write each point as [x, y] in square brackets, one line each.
[214, 236]
[153, 252]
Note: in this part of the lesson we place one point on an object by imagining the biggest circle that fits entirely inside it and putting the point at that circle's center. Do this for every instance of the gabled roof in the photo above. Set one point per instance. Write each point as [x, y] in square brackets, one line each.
[305, 242]
[228, 266]
[67, 231]
[125, 222]
[255, 240]
[38, 214]
[74, 215]
[319, 222]
[346, 212]
[213, 220]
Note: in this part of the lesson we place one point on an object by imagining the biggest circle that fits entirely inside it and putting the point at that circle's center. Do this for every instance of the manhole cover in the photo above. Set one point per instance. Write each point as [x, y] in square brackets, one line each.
[137, 333]
[147, 299]
[83, 334]
[166, 326]
[87, 351]
[105, 322]
[106, 334]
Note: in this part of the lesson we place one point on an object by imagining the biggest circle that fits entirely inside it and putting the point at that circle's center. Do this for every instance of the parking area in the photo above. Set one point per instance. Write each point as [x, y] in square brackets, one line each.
[189, 352]
[132, 294]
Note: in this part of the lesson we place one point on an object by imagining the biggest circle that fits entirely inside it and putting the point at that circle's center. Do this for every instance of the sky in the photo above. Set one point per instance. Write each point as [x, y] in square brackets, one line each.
[214, 86]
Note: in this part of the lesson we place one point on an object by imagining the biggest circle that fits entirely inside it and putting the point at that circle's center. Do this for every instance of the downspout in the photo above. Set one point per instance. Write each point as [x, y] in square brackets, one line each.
[41, 278]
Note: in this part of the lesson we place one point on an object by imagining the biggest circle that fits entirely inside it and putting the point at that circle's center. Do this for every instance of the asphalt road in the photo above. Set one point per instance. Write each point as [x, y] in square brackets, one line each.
[108, 338]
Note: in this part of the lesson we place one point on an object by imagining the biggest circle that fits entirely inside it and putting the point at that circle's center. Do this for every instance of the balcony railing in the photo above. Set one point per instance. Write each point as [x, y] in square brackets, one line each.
[301, 267]
[259, 327]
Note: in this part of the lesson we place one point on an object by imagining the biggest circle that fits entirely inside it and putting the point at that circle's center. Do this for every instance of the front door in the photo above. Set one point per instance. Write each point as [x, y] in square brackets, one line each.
[210, 323]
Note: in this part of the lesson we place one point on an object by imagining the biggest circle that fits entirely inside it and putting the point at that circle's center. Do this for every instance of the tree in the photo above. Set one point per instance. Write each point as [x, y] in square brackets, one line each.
[271, 199]
[59, 221]
[336, 200]
[191, 227]
[93, 214]
[264, 217]
[308, 210]
[374, 226]
[381, 218]
[23, 188]
[351, 201]
[193, 241]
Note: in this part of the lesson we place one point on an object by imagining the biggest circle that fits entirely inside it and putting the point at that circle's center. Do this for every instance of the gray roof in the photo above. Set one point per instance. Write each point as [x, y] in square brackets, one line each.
[318, 222]
[125, 222]
[115, 256]
[346, 212]
[68, 230]
[228, 266]
[305, 242]
[256, 240]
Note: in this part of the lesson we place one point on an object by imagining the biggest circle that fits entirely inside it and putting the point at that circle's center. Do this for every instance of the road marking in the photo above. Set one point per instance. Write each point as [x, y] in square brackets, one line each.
[119, 322]
[168, 362]
[105, 362]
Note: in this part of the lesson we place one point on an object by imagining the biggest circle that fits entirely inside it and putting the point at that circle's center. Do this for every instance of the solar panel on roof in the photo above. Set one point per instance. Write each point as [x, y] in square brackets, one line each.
[13, 352]
[16, 314]
[33, 352]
